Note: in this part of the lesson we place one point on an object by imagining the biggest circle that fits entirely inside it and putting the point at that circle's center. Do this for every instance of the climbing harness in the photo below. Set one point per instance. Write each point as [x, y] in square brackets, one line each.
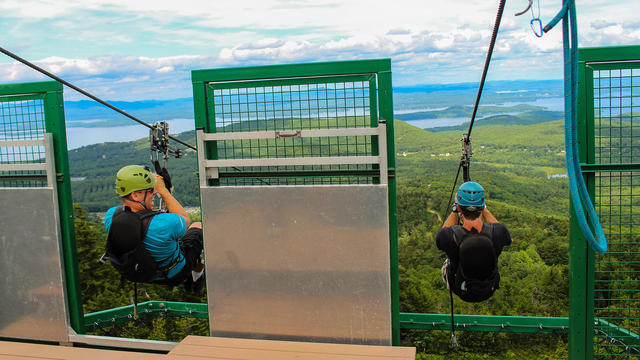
[579, 196]
[467, 151]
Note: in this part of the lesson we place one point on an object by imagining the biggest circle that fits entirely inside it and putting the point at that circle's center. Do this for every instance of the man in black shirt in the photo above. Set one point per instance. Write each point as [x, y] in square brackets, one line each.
[471, 267]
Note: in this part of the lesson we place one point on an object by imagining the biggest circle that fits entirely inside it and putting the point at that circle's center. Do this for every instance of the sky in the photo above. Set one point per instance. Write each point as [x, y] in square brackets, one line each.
[141, 49]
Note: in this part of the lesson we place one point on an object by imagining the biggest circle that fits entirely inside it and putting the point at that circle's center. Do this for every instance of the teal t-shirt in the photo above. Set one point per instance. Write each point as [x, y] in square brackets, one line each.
[162, 238]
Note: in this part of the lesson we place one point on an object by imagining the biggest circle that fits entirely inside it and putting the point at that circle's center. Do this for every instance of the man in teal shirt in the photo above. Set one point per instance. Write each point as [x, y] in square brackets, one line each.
[174, 243]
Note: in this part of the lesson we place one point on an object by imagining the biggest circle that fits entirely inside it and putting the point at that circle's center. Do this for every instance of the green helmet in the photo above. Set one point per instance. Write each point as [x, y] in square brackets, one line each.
[134, 178]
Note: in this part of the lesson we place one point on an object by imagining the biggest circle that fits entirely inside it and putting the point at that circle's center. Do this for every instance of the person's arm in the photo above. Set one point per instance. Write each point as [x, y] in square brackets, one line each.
[173, 206]
[451, 220]
[487, 216]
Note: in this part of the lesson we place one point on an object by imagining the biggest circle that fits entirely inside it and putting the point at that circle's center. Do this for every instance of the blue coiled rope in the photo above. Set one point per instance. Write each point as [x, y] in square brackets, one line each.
[579, 195]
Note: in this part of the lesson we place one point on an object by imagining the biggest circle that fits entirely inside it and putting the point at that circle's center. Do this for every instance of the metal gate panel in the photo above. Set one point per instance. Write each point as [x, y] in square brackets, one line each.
[33, 154]
[611, 162]
[298, 262]
[33, 303]
[616, 94]
[298, 201]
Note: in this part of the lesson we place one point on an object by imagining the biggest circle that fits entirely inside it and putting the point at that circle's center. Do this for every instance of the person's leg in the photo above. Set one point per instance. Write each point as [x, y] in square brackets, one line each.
[191, 248]
[198, 265]
[191, 245]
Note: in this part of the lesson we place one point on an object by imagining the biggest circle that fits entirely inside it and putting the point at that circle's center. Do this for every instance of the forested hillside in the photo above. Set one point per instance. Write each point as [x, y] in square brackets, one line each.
[514, 163]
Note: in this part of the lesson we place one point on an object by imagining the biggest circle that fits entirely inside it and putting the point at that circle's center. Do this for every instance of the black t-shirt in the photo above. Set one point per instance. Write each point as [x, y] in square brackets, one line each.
[445, 242]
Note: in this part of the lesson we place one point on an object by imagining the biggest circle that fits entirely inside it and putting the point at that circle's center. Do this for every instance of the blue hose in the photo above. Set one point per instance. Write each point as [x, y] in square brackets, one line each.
[579, 195]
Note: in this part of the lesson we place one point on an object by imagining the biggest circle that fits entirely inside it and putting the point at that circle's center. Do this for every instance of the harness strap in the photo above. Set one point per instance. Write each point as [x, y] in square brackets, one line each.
[459, 232]
[145, 217]
[146, 221]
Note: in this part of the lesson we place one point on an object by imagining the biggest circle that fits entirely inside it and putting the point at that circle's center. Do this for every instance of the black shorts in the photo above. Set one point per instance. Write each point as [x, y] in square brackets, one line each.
[191, 245]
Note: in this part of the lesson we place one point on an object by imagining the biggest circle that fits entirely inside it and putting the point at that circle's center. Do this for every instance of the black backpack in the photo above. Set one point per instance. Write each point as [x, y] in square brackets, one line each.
[473, 247]
[125, 247]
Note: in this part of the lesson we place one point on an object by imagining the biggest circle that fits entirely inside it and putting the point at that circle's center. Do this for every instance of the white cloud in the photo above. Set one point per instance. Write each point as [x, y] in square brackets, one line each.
[165, 69]
[105, 44]
[600, 24]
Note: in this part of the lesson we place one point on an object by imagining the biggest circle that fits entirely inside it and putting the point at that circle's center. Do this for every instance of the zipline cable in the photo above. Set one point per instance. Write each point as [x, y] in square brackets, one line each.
[466, 146]
[467, 138]
[85, 93]
[494, 35]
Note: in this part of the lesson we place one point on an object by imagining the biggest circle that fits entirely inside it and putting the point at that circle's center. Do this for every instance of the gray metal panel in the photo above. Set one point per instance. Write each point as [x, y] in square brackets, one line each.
[32, 305]
[308, 263]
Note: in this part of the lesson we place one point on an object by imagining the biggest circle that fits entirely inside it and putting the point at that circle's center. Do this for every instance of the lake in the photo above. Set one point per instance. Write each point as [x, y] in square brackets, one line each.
[81, 136]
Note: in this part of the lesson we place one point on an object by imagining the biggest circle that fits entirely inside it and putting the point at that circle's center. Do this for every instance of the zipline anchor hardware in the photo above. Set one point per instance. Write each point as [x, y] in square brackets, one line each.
[465, 160]
[159, 145]
[159, 140]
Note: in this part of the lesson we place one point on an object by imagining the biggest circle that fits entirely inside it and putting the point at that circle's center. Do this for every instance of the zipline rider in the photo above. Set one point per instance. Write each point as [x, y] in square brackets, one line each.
[471, 268]
[173, 243]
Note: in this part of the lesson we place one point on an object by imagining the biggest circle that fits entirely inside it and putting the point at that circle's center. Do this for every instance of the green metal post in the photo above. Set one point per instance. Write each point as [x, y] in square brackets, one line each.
[373, 105]
[581, 257]
[199, 105]
[386, 112]
[55, 124]
[201, 113]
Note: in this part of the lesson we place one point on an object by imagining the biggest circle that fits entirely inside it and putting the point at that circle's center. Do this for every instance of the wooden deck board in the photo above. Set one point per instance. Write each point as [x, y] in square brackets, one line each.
[213, 348]
[18, 350]
[200, 347]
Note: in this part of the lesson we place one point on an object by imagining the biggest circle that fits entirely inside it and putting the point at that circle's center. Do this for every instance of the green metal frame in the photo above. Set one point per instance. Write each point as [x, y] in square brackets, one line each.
[615, 339]
[377, 72]
[51, 94]
[582, 323]
[492, 323]
[99, 319]
[512, 324]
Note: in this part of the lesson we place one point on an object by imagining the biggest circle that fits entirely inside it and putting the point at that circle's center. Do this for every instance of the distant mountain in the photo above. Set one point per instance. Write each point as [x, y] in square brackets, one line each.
[494, 92]
[78, 113]
[87, 113]
[504, 86]
[466, 111]
[526, 118]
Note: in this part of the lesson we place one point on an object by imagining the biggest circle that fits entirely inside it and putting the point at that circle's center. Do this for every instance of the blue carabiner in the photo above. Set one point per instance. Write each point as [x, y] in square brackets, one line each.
[536, 24]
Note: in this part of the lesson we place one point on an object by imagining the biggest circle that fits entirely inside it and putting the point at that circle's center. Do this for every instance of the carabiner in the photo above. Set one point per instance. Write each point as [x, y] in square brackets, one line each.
[534, 27]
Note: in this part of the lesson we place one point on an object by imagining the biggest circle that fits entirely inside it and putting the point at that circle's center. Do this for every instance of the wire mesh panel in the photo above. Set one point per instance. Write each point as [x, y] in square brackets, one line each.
[22, 118]
[616, 145]
[294, 104]
[617, 112]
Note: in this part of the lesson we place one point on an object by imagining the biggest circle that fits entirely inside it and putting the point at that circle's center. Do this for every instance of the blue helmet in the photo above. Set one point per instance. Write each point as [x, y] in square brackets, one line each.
[470, 194]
